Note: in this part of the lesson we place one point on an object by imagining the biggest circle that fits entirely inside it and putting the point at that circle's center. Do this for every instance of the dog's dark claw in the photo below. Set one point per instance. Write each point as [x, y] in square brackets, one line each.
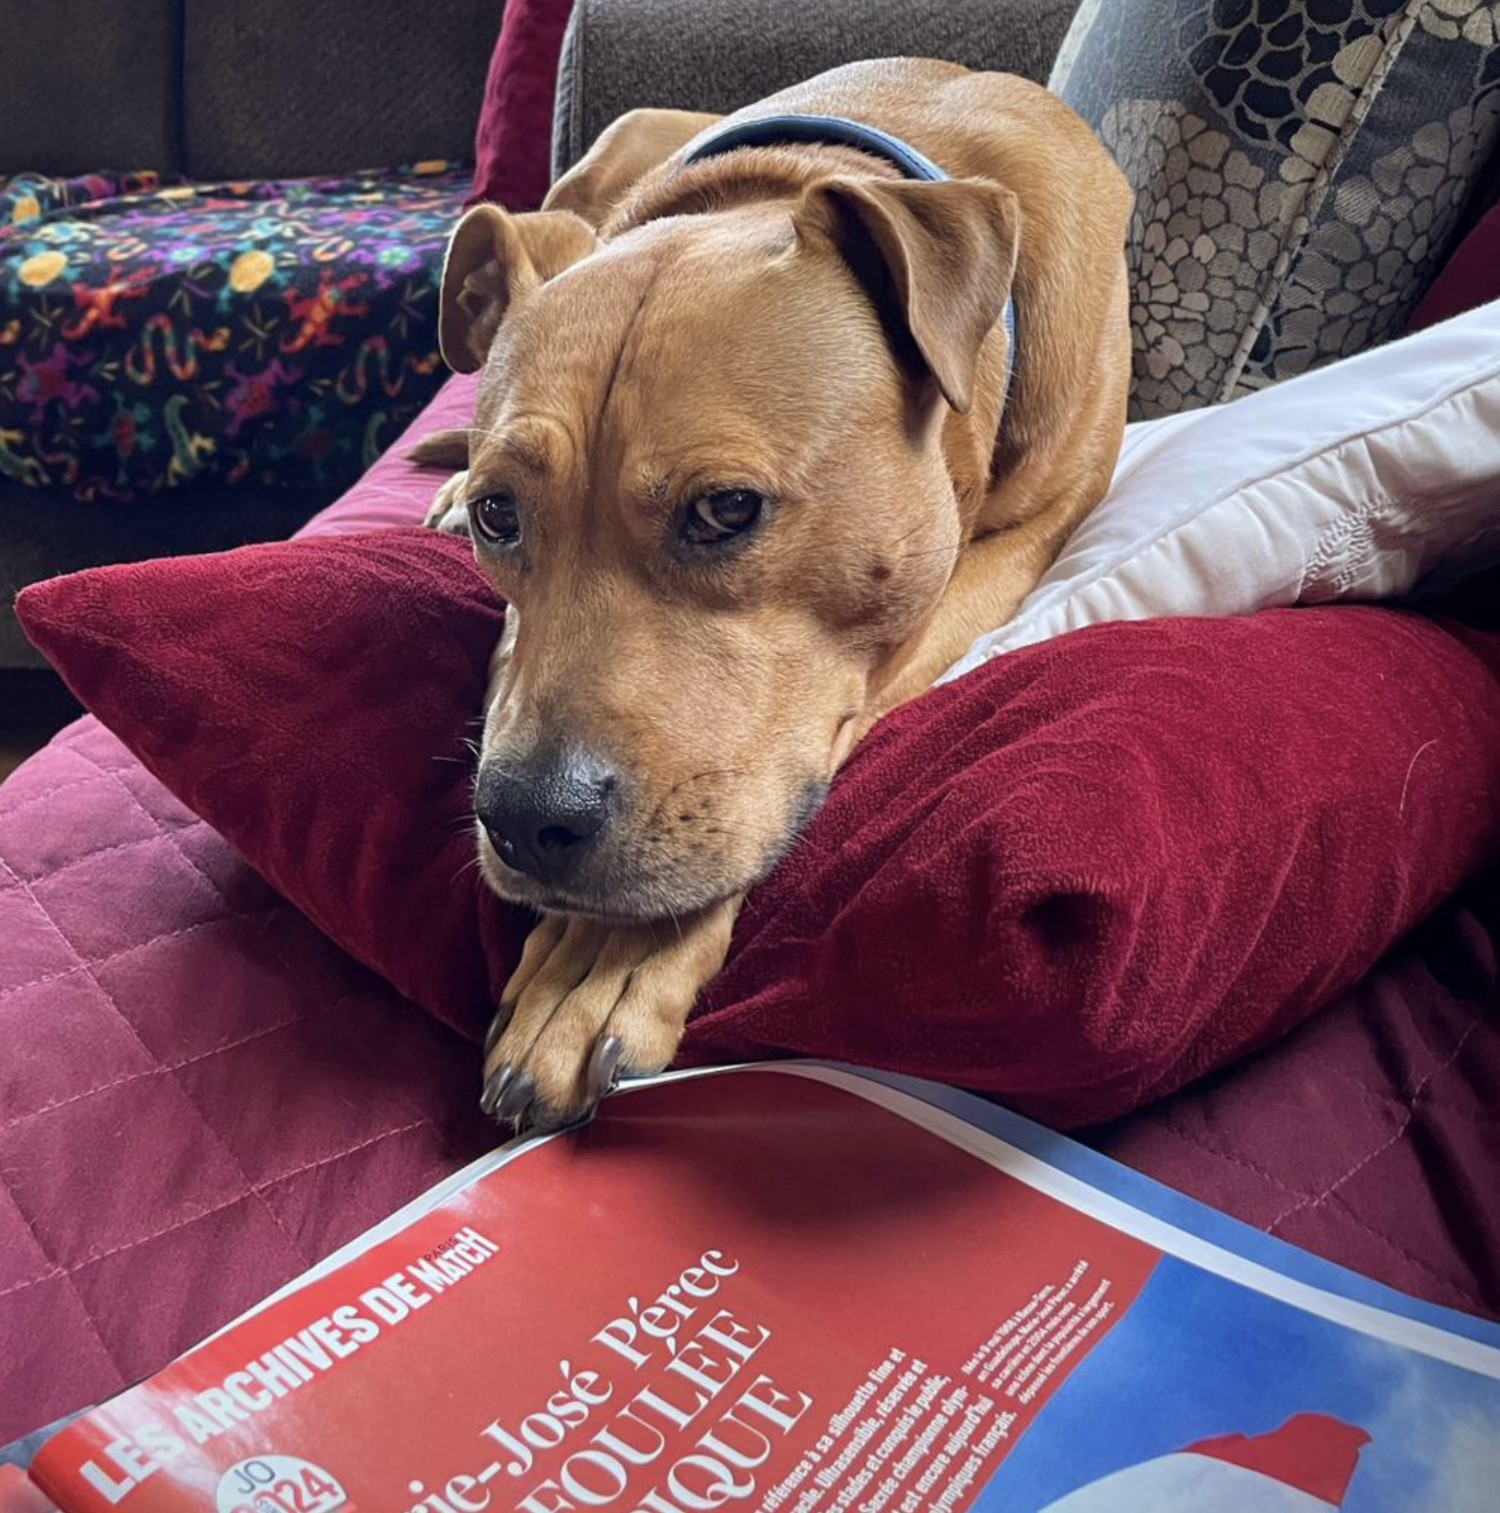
[516, 1099]
[604, 1066]
[494, 1090]
[496, 1029]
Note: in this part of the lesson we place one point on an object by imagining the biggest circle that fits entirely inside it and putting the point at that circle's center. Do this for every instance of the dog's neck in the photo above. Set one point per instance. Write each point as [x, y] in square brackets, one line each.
[770, 157]
[752, 175]
[778, 157]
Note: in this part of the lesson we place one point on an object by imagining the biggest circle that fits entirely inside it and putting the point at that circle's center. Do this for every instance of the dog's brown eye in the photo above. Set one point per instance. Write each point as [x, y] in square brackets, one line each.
[720, 515]
[495, 519]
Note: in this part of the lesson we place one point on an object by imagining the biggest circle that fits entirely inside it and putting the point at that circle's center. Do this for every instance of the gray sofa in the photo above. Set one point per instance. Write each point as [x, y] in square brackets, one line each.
[716, 55]
[257, 89]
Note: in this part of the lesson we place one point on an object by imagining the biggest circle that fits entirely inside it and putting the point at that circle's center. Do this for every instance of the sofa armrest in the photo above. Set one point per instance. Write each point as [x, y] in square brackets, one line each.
[721, 54]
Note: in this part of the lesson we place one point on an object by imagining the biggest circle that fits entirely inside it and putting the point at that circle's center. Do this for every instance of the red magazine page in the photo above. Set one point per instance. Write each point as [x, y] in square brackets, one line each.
[18, 1494]
[758, 1290]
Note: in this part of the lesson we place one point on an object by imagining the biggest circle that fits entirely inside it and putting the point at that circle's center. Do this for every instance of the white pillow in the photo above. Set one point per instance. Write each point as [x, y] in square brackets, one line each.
[1358, 481]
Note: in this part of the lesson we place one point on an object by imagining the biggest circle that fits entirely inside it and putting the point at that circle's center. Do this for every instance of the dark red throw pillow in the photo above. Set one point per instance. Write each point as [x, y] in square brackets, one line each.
[310, 700]
[1100, 867]
[1075, 879]
[513, 140]
[1470, 278]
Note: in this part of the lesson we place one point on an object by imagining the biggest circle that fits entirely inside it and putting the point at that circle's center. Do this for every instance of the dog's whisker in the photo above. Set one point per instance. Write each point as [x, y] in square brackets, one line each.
[698, 777]
[918, 529]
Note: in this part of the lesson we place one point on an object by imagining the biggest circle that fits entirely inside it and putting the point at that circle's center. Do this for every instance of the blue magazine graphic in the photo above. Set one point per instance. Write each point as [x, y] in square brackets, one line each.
[1214, 1394]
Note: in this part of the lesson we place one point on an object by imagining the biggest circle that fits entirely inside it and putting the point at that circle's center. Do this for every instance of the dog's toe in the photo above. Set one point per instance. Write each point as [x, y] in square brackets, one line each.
[515, 1099]
[595, 1003]
[497, 1028]
[448, 513]
[454, 521]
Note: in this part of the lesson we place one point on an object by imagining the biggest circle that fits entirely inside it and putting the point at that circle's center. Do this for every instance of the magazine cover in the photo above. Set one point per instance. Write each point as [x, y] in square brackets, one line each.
[805, 1289]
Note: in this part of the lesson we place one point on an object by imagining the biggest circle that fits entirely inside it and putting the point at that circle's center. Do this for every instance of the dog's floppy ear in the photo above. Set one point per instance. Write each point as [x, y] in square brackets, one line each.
[936, 258]
[493, 259]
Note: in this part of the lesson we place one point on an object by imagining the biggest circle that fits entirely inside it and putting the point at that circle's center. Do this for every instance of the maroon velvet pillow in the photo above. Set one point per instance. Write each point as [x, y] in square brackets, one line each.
[513, 141]
[1076, 878]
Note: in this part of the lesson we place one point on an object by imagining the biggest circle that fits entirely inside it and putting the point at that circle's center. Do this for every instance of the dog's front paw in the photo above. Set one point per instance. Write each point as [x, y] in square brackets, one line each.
[448, 512]
[592, 1001]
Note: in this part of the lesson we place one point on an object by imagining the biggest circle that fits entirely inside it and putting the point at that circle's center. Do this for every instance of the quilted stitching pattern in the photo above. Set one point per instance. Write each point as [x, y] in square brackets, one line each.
[1369, 1135]
[164, 1157]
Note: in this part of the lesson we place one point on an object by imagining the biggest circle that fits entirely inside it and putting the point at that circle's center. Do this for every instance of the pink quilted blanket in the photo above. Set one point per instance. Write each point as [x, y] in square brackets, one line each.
[200, 1095]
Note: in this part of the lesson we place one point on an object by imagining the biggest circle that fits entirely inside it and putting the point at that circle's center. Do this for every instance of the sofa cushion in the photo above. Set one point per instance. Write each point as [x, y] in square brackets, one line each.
[59, 57]
[1299, 171]
[721, 54]
[278, 333]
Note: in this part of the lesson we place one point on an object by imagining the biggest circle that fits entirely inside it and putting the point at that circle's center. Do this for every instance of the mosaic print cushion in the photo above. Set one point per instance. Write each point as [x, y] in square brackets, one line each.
[155, 333]
[1299, 170]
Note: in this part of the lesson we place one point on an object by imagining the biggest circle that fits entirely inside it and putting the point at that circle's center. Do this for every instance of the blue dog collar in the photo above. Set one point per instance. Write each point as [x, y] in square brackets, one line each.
[835, 131]
[822, 131]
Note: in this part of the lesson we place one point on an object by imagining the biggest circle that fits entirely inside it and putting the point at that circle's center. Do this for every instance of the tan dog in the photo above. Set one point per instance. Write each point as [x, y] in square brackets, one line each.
[739, 466]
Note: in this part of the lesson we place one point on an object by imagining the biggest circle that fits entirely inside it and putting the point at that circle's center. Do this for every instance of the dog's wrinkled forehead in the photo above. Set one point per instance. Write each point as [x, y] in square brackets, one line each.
[682, 334]
[555, 346]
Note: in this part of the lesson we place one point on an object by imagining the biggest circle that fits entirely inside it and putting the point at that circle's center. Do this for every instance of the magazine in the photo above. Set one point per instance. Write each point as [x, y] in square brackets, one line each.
[802, 1288]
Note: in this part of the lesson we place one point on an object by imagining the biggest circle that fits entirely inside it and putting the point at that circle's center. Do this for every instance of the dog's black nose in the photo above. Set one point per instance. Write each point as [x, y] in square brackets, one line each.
[542, 816]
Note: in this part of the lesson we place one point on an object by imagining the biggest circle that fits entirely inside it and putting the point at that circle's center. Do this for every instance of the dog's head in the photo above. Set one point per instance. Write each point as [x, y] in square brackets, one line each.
[707, 475]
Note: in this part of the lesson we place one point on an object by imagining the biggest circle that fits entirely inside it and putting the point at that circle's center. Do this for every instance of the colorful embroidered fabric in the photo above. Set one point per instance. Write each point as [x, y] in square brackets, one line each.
[155, 332]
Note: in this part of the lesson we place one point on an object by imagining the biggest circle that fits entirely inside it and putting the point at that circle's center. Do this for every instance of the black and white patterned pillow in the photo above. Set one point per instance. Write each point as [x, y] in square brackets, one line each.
[1299, 168]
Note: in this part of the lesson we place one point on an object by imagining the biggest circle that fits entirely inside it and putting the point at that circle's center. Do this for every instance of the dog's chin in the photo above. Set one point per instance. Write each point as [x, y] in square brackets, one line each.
[640, 895]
